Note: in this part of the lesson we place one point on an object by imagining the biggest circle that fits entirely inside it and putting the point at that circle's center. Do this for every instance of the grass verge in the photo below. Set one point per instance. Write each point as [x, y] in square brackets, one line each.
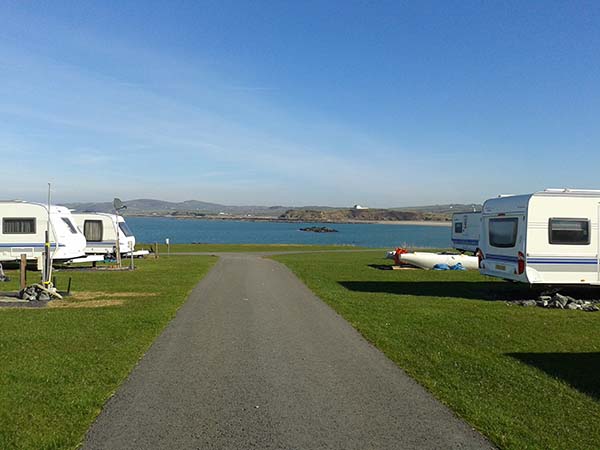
[235, 248]
[526, 377]
[59, 365]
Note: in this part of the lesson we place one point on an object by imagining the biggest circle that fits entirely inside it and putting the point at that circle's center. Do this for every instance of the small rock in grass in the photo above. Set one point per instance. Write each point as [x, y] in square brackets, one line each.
[573, 306]
[528, 303]
[590, 308]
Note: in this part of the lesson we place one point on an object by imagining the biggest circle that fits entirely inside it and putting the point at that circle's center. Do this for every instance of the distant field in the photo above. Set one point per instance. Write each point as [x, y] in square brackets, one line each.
[526, 377]
[59, 365]
[194, 248]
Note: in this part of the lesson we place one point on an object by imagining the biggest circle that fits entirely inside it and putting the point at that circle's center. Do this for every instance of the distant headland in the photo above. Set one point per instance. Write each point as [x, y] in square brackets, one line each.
[194, 209]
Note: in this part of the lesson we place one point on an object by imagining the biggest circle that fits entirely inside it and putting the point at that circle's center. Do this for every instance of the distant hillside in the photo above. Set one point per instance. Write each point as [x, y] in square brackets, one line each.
[349, 215]
[305, 213]
[442, 209]
[193, 207]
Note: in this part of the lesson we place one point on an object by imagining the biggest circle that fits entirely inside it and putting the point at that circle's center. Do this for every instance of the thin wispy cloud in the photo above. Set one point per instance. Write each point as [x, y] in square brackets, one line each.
[312, 120]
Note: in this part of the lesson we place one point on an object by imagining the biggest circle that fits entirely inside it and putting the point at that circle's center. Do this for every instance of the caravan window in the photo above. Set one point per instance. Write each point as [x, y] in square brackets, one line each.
[125, 229]
[458, 228]
[70, 225]
[92, 230]
[503, 232]
[18, 225]
[569, 231]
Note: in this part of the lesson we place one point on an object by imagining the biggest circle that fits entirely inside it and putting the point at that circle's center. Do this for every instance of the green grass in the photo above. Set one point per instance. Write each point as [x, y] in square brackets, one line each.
[528, 378]
[59, 365]
[190, 248]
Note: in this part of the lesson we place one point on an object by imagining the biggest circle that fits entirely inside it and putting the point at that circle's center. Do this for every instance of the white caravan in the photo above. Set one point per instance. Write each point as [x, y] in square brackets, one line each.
[24, 226]
[465, 231]
[548, 237]
[100, 231]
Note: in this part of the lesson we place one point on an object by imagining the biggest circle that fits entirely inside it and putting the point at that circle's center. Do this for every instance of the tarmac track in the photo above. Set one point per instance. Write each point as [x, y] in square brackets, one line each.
[253, 360]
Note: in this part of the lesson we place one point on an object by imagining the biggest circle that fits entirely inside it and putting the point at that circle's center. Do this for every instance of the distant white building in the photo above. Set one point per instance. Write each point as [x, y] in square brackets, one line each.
[360, 207]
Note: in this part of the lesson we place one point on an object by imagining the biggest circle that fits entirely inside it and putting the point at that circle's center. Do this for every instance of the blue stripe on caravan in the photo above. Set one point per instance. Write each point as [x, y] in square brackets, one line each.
[562, 261]
[502, 258]
[36, 245]
[466, 241]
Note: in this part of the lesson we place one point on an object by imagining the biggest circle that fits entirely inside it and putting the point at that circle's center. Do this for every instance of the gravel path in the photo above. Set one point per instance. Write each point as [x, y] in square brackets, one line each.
[254, 360]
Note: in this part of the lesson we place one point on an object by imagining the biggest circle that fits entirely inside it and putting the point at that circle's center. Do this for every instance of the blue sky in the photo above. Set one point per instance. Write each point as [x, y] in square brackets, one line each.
[383, 103]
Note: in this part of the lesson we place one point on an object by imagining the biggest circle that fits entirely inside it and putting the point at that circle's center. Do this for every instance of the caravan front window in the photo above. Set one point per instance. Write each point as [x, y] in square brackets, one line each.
[125, 229]
[19, 225]
[503, 232]
[569, 231]
[458, 228]
[70, 225]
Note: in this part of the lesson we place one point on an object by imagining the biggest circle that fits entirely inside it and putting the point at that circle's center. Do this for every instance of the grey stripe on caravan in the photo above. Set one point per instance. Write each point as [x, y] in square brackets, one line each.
[570, 268]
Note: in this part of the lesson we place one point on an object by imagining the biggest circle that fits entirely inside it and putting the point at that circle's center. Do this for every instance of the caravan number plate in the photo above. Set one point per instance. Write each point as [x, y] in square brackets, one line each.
[500, 267]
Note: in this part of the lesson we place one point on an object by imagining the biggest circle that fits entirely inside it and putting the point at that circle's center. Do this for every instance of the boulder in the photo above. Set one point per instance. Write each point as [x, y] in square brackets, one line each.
[528, 303]
[559, 300]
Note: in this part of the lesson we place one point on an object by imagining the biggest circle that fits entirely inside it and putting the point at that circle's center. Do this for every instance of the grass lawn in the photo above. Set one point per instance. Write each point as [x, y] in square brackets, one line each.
[190, 248]
[59, 365]
[525, 377]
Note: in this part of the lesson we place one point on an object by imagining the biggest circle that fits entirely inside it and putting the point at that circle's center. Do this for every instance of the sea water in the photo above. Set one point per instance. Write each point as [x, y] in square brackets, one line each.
[185, 231]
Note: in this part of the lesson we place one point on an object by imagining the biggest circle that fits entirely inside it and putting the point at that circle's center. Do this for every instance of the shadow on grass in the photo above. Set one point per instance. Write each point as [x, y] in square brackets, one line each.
[456, 289]
[580, 370]
[481, 290]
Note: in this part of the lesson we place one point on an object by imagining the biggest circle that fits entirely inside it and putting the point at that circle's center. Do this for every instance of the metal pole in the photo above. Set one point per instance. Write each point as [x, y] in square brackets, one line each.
[118, 250]
[47, 257]
[131, 249]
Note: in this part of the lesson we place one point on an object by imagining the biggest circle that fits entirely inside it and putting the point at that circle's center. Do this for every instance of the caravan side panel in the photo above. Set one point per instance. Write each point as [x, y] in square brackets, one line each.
[562, 240]
[465, 231]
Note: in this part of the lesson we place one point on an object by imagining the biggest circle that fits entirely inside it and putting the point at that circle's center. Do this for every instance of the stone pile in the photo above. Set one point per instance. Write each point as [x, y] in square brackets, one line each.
[559, 301]
[3, 277]
[38, 293]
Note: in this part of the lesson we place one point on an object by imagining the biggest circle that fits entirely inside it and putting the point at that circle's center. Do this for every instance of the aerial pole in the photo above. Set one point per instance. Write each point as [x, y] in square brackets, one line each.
[118, 206]
[47, 272]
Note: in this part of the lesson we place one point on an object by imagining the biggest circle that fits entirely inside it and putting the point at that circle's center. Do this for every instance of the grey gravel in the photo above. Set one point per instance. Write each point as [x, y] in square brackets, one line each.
[254, 360]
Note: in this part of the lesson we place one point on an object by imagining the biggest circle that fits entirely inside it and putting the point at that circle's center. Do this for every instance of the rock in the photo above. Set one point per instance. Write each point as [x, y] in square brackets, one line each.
[545, 298]
[43, 297]
[528, 303]
[573, 306]
[542, 303]
[560, 300]
[590, 308]
[319, 230]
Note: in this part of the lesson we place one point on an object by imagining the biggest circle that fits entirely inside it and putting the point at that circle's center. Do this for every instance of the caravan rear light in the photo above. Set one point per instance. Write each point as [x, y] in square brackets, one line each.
[480, 258]
[520, 263]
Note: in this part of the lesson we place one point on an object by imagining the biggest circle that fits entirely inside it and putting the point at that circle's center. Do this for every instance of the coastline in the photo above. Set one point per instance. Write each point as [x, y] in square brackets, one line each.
[430, 223]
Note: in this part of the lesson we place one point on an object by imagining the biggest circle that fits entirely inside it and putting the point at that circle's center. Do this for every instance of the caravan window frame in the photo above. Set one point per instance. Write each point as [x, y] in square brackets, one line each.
[125, 229]
[69, 223]
[514, 237]
[32, 219]
[96, 221]
[554, 241]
